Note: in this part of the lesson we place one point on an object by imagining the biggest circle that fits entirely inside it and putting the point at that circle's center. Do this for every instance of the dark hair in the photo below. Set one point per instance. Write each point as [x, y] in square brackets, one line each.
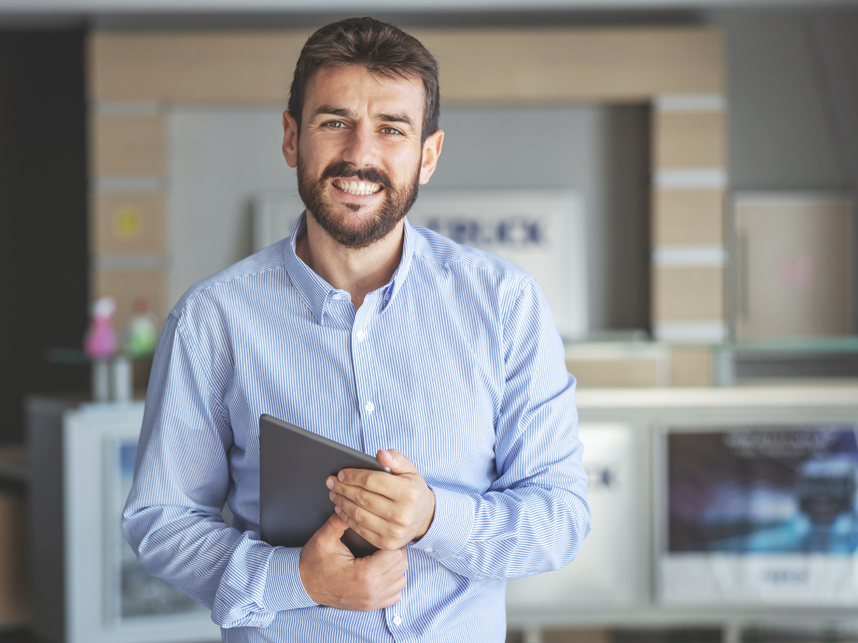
[381, 48]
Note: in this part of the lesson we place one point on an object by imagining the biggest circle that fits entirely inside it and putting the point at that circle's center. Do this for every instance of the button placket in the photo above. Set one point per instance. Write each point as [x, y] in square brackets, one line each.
[365, 374]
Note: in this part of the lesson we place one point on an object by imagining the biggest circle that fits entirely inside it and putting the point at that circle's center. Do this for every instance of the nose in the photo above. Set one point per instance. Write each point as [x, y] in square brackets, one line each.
[361, 149]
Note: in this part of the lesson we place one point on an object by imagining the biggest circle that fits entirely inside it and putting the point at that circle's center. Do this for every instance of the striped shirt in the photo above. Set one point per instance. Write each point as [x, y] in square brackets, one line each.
[456, 363]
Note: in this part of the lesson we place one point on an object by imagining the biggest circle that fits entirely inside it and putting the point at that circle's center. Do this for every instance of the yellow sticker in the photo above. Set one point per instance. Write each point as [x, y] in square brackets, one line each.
[127, 223]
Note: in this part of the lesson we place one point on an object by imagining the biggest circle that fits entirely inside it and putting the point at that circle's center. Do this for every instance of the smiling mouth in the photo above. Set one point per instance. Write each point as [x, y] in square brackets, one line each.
[357, 188]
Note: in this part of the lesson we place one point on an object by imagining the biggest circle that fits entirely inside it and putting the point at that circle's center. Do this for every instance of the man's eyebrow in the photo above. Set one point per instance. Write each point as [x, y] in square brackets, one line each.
[333, 111]
[394, 118]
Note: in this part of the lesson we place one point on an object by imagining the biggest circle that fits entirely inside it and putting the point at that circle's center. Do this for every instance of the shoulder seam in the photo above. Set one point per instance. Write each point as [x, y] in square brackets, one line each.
[221, 283]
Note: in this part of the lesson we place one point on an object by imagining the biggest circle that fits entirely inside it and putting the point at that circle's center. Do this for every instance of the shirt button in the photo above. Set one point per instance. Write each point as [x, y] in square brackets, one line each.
[428, 550]
[369, 407]
[338, 297]
[361, 335]
[397, 620]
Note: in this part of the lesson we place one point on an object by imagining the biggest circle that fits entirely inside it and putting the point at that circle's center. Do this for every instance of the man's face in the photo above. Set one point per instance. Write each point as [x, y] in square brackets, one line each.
[359, 157]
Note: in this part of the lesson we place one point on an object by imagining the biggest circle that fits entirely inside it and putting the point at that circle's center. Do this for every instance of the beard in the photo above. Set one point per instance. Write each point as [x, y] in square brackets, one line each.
[360, 234]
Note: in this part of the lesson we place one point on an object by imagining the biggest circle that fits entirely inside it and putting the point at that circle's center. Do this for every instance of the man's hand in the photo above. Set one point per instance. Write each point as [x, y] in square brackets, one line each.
[388, 510]
[332, 576]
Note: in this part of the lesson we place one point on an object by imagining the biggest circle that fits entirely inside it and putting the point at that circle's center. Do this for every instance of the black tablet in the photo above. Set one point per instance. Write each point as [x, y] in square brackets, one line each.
[293, 466]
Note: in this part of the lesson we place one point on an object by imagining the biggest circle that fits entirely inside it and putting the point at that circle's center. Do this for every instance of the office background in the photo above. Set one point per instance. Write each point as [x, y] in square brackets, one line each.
[790, 107]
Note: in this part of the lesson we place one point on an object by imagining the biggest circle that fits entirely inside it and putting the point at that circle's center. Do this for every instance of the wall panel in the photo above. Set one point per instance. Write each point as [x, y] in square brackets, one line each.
[131, 145]
[688, 140]
[128, 223]
[688, 293]
[213, 67]
[692, 217]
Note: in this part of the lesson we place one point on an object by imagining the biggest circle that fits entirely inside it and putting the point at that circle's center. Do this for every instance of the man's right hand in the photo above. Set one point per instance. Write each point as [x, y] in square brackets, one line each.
[332, 576]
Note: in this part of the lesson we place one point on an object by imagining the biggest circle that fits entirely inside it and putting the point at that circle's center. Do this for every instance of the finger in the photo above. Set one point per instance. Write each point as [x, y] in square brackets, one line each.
[384, 532]
[376, 482]
[372, 502]
[386, 561]
[395, 461]
[373, 537]
[333, 529]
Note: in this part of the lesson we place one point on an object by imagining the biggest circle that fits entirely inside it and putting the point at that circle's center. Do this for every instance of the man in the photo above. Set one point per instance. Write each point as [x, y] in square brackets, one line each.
[441, 359]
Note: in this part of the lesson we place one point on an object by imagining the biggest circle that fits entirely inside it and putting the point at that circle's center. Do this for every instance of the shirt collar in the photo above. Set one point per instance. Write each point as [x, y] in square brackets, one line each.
[318, 293]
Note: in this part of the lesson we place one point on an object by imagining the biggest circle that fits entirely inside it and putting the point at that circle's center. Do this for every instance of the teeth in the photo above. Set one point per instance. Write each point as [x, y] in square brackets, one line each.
[358, 187]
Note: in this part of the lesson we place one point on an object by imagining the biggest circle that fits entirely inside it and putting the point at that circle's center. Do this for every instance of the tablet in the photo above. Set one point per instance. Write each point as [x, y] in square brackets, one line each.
[293, 466]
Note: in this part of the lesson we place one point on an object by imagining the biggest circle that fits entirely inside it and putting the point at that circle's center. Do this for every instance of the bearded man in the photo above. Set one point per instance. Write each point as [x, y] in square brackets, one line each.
[440, 359]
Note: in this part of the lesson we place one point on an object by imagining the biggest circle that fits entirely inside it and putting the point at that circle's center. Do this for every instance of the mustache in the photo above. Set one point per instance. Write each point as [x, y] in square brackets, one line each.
[343, 170]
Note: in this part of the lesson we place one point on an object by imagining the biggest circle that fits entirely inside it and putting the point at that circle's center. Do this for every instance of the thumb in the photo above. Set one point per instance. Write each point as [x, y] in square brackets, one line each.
[395, 461]
[333, 529]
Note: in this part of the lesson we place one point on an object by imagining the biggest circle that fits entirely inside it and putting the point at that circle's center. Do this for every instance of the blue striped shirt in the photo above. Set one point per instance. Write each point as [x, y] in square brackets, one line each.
[456, 363]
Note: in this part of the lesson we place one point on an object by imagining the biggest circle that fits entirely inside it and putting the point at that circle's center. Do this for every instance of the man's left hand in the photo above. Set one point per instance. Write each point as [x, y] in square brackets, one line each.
[388, 510]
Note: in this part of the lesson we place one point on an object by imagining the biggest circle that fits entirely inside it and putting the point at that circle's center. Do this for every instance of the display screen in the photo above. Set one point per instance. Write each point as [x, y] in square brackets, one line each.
[766, 490]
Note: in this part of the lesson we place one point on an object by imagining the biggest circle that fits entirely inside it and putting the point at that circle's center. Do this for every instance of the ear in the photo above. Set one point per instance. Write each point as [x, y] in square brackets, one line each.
[290, 140]
[431, 152]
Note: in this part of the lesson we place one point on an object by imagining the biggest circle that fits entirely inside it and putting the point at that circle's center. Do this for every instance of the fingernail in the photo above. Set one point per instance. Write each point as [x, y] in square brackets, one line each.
[341, 476]
[338, 510]
[332, 496]
[329, 483]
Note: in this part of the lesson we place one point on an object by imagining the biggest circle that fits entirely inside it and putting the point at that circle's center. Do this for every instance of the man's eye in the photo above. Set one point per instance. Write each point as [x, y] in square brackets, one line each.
[335, 124]
[390, 130]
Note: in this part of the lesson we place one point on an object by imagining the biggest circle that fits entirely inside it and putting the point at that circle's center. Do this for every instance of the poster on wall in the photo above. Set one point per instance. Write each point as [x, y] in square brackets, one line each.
[134, 593]
[603, 573]
[542, 231]
[764, 515]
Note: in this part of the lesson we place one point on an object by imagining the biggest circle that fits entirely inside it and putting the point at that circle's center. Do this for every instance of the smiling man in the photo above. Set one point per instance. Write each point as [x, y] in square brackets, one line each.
[440, 359]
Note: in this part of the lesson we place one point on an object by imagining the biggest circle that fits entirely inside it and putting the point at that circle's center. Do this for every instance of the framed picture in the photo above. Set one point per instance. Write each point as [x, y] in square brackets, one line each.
[109, 596]
[760, 514]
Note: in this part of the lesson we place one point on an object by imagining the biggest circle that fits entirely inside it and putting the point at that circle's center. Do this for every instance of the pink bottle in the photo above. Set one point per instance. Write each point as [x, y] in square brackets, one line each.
[100, 341]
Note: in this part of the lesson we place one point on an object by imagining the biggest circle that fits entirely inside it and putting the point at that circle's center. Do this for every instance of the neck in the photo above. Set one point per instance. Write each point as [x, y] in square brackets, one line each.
[357, 271]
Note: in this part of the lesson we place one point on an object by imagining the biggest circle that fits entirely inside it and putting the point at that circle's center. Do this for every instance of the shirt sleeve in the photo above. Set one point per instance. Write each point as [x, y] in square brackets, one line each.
[172, 518]
[534, 516]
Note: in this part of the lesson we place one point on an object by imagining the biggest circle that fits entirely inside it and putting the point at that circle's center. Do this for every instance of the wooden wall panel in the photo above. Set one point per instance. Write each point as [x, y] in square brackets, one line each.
[476, 65]
[691, 366]
[126, 286]
[128, 146]
[577, 64]
[692, 217]
[128, 224]
[689, 140]
[688, 293]
[194, 67]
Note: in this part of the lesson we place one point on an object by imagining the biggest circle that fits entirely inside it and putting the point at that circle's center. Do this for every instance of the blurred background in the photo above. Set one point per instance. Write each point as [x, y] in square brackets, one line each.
[679, 175]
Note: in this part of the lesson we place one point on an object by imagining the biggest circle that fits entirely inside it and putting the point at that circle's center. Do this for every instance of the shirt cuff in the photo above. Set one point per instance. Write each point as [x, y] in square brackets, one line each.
[451, 524]
[283, 587]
